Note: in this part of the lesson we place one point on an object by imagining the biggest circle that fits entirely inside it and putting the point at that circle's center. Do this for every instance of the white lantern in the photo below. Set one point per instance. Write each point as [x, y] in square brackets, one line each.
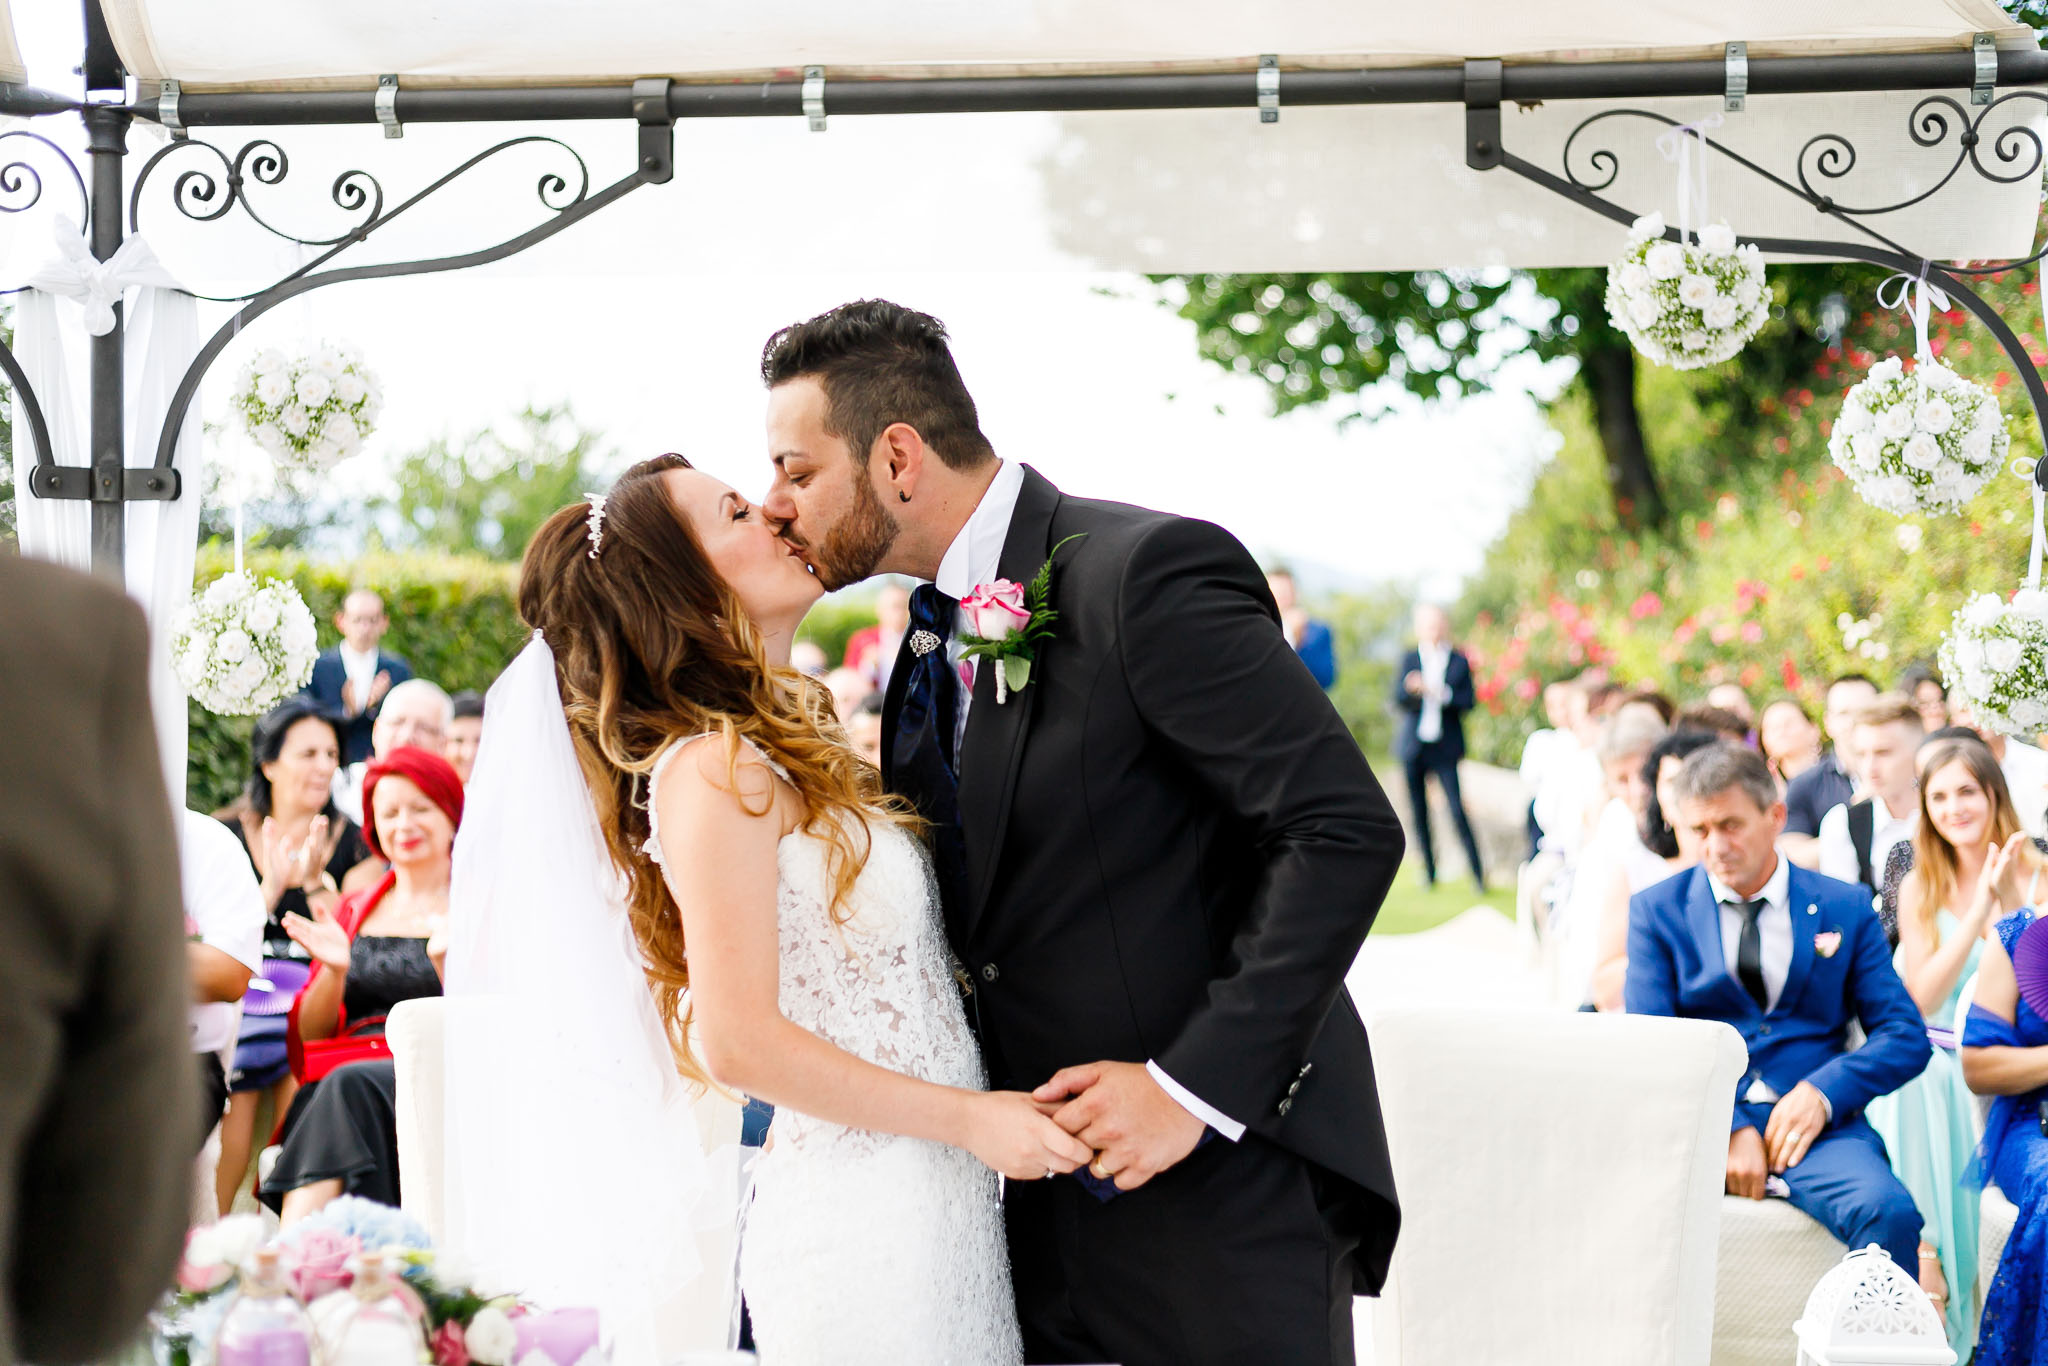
[1868, 1311]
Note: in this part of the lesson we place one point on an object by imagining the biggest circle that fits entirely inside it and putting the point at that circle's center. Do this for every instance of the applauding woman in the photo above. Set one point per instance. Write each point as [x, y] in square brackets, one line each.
[376, 948]
[1971, 866]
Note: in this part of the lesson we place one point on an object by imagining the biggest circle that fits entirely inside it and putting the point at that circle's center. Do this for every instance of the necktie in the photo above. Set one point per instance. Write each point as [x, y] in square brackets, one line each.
[1749, 952]
[921, 760]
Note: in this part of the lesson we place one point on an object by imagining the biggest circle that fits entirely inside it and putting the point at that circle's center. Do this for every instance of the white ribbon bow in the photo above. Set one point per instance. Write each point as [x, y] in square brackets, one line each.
[1913, 293]
[73, 273]
[1677, 145]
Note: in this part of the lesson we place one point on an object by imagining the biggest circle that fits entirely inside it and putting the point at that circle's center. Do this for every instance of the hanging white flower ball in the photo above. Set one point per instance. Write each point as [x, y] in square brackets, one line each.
[310, 411]
[1995, 660]
[1687, 304]
[1925, 442]
[240, 648]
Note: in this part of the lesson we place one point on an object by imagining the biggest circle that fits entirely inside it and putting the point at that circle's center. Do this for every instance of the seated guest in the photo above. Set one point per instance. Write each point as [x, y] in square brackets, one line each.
[1857, 838]
[353, 679]
[224, 916]
[1828, 784]
[2024, 766]
[1717, 721]
[1667, 851]
[2005, 1055]
[301, 848]
[1971, 865]
[871, 651]
[1930, 697]
[1790, 959]
[465, 732]
[415, 713]
[1544, 751]
[1789, 740]
[1613, 858]
[1310, 638]
[864, 728]
[1730, 697]
[377, 948]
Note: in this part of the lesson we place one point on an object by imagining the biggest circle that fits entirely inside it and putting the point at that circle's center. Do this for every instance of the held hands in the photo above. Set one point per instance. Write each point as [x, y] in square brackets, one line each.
[1796, 1121]
[1413, 683]
[322, 936]
[1134, 1128]
[1013, 1136]
[351, 705]
[1746, 1164]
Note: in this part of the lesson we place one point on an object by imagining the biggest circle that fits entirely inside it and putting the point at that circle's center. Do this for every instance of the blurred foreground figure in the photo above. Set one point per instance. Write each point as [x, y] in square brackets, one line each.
[97, 1092]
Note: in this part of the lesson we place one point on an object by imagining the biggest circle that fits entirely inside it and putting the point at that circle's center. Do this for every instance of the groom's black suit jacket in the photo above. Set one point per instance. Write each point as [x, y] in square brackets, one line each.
[1174, 845]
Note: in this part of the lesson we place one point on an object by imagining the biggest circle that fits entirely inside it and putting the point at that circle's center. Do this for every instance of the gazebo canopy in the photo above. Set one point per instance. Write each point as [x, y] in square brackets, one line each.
[244, 44]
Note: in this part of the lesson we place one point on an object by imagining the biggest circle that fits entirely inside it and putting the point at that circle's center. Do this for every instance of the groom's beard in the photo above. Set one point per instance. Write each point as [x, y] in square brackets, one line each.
[852, 548]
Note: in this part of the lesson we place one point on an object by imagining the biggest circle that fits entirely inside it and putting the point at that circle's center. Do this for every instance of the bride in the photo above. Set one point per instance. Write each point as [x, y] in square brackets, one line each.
[784, 916]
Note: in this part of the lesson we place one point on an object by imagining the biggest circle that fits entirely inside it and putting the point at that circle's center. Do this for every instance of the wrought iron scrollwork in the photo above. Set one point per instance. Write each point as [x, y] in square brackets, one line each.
[1831, 157]
[206, 195]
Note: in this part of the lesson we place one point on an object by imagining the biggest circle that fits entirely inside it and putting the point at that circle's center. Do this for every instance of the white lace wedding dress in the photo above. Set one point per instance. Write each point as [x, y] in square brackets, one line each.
[862, 1246]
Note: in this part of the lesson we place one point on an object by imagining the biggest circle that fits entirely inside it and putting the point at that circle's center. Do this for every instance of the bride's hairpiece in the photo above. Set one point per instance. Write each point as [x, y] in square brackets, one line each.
[596, 522]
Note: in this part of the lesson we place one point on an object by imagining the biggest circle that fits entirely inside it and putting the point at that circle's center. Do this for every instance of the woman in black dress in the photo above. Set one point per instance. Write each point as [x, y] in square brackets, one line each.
[301, 847]
[377, 948]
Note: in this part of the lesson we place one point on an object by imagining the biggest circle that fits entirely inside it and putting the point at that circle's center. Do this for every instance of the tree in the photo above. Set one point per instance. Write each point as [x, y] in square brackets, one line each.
[489, 493]
[1360, 338]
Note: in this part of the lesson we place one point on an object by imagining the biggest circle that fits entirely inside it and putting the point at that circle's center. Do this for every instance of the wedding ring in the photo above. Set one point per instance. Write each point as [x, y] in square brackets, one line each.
[1097, 1170]
[1050, 1174]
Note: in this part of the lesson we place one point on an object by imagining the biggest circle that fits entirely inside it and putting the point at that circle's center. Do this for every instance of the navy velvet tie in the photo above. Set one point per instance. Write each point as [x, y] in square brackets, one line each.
[1749, 952]
[922, 757]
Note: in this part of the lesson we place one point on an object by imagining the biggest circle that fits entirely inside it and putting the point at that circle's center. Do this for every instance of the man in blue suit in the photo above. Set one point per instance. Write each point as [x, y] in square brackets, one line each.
[353, 678]
[1788, 958]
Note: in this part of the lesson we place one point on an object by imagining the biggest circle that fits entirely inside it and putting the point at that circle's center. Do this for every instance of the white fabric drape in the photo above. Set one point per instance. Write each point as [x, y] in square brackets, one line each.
[573, 1167]
[52, 321]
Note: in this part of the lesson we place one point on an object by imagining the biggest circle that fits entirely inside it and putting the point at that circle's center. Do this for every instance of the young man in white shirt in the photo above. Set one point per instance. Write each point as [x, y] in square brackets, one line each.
[1856, 837]
[224, 916]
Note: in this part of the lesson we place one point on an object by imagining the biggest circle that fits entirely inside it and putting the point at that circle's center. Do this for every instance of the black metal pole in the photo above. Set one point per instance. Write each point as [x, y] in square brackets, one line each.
[1170, 90]
[107, 139]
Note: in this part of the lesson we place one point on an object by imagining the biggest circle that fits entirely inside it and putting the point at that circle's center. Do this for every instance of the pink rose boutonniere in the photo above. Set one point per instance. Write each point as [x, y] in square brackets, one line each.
[1008, 621]
[1827, 942]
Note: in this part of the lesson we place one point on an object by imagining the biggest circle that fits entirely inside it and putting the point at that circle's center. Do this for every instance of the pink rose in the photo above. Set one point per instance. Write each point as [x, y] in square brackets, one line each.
[201, 1269]
[317, 1262]
[996, 610]
[447, 1345]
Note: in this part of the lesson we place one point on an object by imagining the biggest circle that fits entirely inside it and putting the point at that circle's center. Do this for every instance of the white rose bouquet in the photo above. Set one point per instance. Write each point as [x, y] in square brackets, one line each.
[239, 648]
[1925, 442]
[1995, 659]
[1687, 304]
[311, 411]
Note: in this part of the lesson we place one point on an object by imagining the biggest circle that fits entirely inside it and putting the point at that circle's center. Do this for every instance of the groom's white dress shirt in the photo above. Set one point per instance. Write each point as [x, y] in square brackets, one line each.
[975, 558]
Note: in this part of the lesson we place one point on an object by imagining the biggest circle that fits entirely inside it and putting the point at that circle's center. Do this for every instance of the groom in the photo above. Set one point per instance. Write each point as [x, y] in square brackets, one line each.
[1156, 861]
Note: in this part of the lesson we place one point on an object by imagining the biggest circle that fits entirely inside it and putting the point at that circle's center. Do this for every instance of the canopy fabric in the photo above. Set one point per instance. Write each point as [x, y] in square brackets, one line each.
[12, 72]
[216, 44]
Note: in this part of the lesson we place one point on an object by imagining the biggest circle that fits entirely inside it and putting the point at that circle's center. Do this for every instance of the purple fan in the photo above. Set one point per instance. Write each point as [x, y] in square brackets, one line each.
[2030, 966]
[272, 990]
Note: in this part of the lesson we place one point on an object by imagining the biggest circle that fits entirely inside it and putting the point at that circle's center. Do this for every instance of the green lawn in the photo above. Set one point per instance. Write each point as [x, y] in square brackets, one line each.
[1410, 906]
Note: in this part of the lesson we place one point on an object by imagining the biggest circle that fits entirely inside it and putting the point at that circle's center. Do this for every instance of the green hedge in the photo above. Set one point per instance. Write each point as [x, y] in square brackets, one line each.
[453, 619]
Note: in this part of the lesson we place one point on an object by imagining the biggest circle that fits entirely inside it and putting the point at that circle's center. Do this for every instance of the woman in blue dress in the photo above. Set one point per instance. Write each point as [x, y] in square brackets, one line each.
[2005, 1054]
[1962, 881]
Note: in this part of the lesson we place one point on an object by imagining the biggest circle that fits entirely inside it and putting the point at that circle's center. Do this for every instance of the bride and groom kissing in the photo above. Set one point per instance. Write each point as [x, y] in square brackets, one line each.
[1086, 930]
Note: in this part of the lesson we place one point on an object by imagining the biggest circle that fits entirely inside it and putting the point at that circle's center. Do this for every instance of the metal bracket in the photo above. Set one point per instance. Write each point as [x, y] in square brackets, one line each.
[167, 94]
[1269, 88]
[1984, 48]
[387, 106]
[1735, 83]
[657, 129]
[1482, 113]
[76, 483]
[814, 97]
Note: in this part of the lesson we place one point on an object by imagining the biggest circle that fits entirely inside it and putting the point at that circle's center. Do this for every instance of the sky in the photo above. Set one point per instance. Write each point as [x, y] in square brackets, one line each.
[648, 320]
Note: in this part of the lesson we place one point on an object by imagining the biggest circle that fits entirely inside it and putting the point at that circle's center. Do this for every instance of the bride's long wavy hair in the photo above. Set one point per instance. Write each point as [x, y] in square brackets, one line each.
[651, 646]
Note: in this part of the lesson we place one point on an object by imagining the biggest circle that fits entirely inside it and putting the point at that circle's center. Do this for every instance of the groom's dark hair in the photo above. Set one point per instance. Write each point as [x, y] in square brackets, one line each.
[880, 364]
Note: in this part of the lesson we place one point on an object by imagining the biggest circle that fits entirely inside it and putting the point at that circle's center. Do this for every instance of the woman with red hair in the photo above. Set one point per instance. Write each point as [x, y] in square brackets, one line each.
[377, 947]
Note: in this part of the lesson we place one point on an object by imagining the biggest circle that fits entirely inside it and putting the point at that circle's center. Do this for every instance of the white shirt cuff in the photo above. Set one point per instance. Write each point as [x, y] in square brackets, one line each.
[1193, 1104]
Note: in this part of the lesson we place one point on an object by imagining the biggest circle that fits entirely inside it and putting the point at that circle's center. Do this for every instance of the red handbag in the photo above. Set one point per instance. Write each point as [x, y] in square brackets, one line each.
[353, 1040]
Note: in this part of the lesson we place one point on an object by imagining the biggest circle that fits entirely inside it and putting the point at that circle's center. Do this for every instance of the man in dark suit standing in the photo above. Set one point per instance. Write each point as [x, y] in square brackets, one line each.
[354, 677]
[1432, 693]
[98, 1095]
[1157, 857]
[1790, 959]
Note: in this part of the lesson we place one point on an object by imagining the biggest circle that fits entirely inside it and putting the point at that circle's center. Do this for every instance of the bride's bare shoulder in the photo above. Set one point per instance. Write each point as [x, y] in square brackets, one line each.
[704, 772]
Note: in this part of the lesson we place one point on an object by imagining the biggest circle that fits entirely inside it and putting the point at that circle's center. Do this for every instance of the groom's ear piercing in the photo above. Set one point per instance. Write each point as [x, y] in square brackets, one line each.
[904, 496]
